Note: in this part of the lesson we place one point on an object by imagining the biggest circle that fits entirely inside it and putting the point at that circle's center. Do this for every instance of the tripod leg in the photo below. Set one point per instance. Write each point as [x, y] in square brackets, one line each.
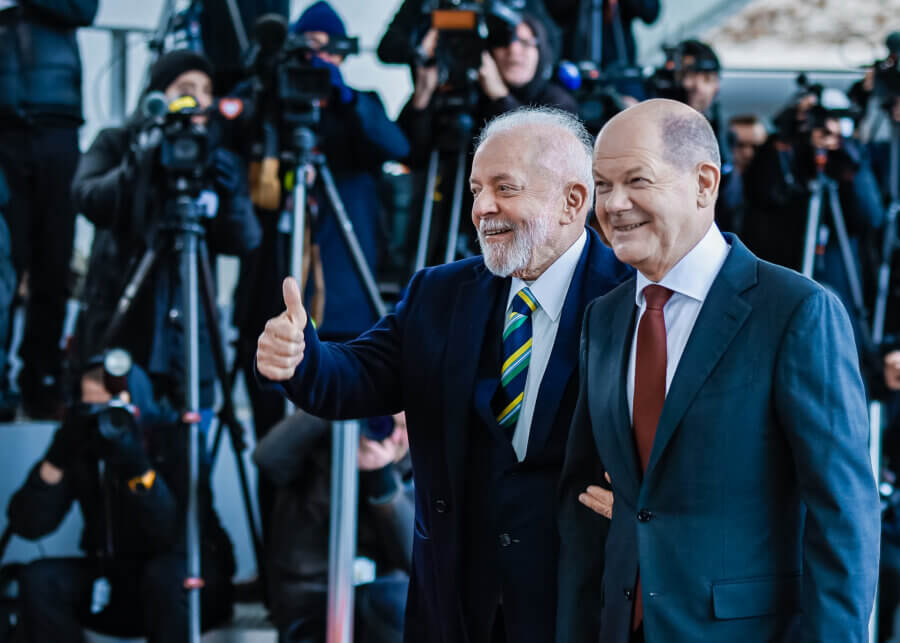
[427, 210]
[884, 272]
[193, 582]
[456, 207]
[356, 253]
[148, 261]
[837, 218]
[227, 416]
[812, 229]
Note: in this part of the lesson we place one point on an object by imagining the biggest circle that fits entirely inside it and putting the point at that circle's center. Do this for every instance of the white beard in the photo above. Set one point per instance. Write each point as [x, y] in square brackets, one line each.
[507, 258]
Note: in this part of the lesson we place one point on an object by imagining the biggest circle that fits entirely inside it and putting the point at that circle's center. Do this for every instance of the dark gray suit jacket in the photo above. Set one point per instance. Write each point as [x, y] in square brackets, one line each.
[757, 518]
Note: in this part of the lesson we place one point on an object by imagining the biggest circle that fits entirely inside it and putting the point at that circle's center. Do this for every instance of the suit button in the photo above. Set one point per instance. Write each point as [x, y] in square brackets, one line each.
[628, 594]
[440, 506]
[644, 515]
[505, 540]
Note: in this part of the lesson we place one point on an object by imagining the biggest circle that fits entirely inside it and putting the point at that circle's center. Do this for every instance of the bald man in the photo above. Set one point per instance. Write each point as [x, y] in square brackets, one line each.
[722, 396]
[482, 355]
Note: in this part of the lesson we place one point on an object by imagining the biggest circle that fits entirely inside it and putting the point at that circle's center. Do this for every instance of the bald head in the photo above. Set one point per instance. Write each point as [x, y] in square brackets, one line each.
[656, 171]
[558, 142]
[687, 139]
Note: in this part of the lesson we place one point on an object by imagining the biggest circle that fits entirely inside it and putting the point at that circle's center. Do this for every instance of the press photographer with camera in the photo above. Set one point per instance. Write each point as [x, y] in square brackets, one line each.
[354, 137]
[126, 185]
[807, 151]
[123, 458]
[295, 456]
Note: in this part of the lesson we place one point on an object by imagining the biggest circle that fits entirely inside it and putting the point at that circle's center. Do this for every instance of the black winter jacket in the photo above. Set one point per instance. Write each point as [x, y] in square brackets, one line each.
[104, 190]
[40, 67]
[144, 524]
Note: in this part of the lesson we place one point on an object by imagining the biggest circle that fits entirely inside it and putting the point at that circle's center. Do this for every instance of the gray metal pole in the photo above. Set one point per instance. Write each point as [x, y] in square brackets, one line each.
[342, 535]
[239, 31]
[118, 82]
[190, 289]
[427, 210]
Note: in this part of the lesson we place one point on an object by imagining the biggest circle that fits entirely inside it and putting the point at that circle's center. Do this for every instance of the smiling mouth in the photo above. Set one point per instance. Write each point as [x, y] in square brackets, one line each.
[629, 228]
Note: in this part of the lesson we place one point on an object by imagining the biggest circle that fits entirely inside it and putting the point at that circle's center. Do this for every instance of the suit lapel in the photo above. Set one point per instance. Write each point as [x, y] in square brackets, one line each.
[621, 329]
[723, 314]
[470, 313]
[564, 356]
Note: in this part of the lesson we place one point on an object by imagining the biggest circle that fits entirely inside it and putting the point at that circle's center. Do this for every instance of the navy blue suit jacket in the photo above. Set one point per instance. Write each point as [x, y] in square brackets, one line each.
[423, 359]
[758, 517]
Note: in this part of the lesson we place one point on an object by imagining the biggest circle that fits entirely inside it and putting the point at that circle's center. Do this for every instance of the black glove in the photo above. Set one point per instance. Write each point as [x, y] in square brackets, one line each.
[127, 455]
[69, 441]
[226, 169]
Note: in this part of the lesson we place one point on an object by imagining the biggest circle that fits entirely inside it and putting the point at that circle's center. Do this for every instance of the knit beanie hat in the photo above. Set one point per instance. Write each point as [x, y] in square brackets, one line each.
[320, 17]
[172, 64]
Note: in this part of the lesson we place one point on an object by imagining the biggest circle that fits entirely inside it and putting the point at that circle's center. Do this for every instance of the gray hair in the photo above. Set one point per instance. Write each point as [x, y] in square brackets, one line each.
[580, 162]
[688, 140]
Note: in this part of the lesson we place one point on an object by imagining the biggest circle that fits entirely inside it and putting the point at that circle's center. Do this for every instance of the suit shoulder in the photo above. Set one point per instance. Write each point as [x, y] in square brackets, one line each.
[784, 285]
[445, 275]
[609, 303]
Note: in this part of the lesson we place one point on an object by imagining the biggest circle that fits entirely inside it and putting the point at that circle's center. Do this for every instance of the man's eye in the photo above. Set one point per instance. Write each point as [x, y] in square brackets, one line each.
[639, 179]
[505, 188]
[602, 186]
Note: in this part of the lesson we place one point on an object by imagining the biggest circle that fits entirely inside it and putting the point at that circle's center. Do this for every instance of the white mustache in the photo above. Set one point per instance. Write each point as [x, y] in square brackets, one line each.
[493, 225]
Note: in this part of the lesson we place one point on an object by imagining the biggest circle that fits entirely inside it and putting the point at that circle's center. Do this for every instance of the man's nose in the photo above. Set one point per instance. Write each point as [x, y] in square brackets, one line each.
[484, 204]
[617, 200]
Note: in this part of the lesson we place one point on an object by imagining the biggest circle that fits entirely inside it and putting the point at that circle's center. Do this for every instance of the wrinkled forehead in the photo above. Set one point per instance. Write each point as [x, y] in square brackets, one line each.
[627, 143]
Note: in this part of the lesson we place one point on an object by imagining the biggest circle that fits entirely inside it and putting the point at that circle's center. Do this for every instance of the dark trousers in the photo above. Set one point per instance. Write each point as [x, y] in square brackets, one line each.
[146, 599]
[39, 163]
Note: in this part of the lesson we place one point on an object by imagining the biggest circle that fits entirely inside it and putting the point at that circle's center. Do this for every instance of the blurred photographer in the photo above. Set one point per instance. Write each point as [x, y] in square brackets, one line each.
[515, 70]
[122, 187]
[355, 137]
[778, 187]
[404, 41]
[123, 459]
[40, 113]
[295, 456]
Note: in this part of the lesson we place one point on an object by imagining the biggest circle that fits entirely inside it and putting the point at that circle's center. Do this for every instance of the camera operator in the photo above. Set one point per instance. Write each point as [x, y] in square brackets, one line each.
[355, 137]
[130, 479]
[123, 189]
[296, 457]
[778, 189]
[513, 73]
[404, 41]
[618, 44]
[40, 113]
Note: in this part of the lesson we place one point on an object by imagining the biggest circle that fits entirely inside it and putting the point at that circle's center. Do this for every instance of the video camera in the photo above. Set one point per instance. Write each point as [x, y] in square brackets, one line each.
[282, 67]
[114, 418]
[466, 30]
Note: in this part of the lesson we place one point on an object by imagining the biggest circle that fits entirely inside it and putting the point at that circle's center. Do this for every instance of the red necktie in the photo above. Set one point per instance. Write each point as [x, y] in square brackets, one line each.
[649, 390]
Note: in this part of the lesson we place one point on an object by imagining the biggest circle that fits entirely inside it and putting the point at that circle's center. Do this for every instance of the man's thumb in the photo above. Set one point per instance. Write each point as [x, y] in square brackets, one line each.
[293, 302]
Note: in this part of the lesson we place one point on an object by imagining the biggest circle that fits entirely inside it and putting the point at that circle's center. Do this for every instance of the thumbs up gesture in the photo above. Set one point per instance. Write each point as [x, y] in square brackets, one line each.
[279, 349]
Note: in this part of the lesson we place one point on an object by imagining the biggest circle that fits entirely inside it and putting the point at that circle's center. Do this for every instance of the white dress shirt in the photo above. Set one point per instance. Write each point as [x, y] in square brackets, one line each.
[690, 280]
[550, 290]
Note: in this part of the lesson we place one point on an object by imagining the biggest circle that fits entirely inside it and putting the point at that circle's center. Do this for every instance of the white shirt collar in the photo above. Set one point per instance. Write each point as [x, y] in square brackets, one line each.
[551, 287]
[693, 276]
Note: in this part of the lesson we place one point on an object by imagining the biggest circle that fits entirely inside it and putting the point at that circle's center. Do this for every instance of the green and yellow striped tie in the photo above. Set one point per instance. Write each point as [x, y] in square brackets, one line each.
[516, 355]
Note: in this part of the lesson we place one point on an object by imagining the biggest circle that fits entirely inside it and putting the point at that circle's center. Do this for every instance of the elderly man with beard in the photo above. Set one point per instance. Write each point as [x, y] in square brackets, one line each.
[482, 355]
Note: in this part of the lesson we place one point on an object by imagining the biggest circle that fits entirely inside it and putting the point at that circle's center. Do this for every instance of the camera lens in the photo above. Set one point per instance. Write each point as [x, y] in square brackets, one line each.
[185, 149]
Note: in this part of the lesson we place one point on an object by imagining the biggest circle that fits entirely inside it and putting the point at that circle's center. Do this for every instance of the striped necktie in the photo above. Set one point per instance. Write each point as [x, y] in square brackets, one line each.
[516, 355]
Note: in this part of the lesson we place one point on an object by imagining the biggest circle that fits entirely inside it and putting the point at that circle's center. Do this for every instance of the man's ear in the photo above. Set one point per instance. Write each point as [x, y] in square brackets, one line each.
[708, 177]
[576, 201]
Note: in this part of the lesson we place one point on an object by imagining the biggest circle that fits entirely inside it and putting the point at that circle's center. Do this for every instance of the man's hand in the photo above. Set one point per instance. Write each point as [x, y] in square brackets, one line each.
[490, 79]
[279, 349]
[598, 499]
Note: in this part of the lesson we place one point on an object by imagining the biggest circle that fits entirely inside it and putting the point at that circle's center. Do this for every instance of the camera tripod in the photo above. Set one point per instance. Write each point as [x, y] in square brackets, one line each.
[184, 234]
[818, 233]
[461, 137]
